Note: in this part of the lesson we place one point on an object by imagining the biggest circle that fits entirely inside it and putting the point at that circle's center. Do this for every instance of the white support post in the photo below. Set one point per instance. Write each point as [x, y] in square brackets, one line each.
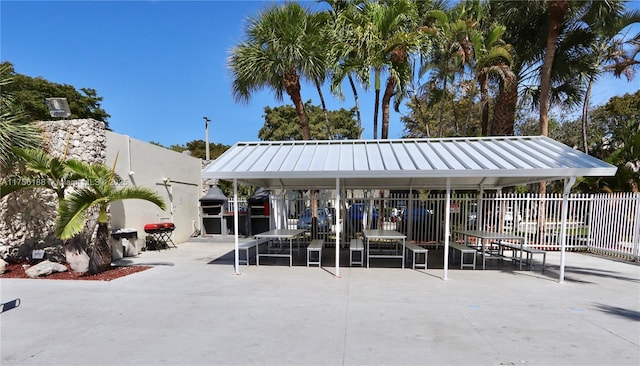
[338, 227]
[447, 230]
[636, 231]
[480, 210]
[409, 225]
[568, 183]
[235, 227]
[283, 215]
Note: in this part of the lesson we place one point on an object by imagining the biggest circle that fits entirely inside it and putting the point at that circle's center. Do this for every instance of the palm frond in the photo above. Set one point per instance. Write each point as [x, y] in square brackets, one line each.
[136, 192]
[72, 212]
[15, 131]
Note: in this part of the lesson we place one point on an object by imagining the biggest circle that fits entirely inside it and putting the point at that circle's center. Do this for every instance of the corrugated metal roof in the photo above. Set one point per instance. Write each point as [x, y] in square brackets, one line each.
[400, 164]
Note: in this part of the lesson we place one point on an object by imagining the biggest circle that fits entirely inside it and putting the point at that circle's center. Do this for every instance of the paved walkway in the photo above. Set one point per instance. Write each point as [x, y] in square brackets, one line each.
[190, 309]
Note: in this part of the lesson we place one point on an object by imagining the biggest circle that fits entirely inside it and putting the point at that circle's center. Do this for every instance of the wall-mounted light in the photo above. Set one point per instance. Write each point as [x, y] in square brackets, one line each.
[166, 180]
[58, 107]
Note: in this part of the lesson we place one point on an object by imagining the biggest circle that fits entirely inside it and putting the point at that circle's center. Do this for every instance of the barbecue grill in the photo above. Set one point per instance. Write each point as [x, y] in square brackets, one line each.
[159, 235]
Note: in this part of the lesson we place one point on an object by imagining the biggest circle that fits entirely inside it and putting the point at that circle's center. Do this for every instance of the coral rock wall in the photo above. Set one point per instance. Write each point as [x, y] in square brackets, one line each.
[31, 214]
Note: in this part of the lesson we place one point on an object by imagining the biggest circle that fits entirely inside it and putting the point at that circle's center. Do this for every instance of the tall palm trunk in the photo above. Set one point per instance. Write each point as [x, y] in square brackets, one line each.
[484, 101]
[386, 101]
[504, 113]
[357, 105]
[456, 125]
[324, 108]
[292, 86]
[376, 107]
[585, 115]
[442, 101]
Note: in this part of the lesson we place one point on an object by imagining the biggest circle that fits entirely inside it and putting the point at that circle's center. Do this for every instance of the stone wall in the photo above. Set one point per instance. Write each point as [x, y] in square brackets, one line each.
[31, 214]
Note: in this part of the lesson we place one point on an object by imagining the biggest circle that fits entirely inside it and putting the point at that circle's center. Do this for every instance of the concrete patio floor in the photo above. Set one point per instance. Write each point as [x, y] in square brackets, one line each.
[191, 309]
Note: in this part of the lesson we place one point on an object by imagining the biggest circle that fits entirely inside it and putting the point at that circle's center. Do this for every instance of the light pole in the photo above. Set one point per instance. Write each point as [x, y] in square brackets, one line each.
[206, 136]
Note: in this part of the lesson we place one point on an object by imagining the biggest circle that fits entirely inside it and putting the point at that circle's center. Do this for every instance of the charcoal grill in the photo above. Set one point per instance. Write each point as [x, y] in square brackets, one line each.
[159, 235]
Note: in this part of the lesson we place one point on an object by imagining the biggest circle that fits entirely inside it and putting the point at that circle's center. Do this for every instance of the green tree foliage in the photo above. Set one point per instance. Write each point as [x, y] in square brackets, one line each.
[530, 126]
[425, 116]
[30, 94]
[620, 144]
[566, 131]
[280, 123]
[197, 149]
[610, 51]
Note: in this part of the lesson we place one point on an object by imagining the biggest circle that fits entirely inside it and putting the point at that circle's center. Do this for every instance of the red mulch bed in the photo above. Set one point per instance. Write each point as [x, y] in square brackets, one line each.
[17, 270]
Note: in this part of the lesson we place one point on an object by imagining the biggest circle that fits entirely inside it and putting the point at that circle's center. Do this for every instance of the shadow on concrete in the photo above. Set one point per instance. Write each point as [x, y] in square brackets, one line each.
[619, 312]
[129, 262]
[226, 259]
[569, 271]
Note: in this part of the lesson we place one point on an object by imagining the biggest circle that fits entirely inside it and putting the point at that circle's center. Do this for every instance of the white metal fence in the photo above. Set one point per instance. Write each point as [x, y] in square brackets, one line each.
[615, 225]
[601, 223]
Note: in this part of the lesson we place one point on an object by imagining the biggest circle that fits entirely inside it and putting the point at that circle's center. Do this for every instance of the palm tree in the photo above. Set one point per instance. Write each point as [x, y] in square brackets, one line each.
[99, 190]
[558, 9]
[552, 41]
[369, 33]
[16, 130]
[278, 51]
[525, 21]
[42, 171]
[453, 50]
[384, 34]
[363, 47]
[321, 38]
[607, 52]
[346, 53]
[401, 38]
[492, 61]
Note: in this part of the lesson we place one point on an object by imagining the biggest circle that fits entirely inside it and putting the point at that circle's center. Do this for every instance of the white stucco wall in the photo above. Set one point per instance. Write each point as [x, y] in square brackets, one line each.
[174, 176]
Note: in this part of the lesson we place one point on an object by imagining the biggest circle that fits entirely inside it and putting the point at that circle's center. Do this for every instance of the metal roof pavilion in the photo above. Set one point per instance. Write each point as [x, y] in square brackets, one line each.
[468, 162]
[448, 163]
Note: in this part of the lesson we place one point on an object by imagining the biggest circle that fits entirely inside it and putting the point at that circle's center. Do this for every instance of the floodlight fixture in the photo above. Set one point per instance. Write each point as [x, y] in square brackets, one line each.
[58, 107]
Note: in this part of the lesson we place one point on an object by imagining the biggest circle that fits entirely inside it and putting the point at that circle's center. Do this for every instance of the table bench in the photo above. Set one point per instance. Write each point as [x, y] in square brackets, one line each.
[417, 250]
[356, 245]
[281, 236]
[463, 249]
[246, 248]
[526, 249]
[315, 247]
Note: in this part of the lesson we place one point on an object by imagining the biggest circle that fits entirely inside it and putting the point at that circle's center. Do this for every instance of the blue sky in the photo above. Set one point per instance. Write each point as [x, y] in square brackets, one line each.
[161, 65]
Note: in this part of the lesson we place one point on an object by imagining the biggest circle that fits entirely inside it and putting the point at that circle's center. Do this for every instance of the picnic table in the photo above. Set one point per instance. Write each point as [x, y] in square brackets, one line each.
[389, 235]
[484, 237]
[278, 235]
